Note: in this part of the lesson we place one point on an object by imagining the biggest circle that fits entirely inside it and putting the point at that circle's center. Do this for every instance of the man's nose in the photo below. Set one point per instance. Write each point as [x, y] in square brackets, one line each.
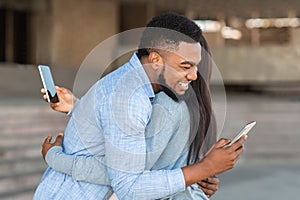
[192, 74]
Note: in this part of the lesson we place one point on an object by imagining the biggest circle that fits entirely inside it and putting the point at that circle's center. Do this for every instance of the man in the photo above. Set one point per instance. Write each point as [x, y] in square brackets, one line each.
[117, 110]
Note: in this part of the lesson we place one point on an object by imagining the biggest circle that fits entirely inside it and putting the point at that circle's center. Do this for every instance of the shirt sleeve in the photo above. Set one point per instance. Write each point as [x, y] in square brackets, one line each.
[125, 148]
[191, 192]
[75, 103]
[81, 168]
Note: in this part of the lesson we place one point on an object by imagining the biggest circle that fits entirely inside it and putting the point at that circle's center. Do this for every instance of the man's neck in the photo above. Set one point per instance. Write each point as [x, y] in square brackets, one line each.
[151, 74]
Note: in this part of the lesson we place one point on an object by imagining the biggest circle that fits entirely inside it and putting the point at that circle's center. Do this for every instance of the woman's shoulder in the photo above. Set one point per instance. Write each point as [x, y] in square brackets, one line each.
[164, 100]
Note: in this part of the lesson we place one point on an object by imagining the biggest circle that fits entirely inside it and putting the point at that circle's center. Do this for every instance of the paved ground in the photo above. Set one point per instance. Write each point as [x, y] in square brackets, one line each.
[269, 169]
[270, 166]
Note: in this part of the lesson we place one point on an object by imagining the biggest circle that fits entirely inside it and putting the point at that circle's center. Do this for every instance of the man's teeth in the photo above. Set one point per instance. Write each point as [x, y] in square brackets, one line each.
[183, 84]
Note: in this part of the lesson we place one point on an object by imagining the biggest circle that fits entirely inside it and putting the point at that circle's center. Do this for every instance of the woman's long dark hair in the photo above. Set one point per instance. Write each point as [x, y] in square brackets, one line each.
[198, 100]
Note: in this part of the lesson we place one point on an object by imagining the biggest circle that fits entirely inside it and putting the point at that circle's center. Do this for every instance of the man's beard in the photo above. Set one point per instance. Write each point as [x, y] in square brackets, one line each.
[166, 89]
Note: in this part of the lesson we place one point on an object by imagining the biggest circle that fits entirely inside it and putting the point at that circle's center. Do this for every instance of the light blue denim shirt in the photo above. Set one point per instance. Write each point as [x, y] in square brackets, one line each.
[111, 120]
[167, 148]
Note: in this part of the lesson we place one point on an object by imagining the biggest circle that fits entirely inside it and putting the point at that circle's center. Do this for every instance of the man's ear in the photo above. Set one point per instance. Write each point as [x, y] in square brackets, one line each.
[155, 59]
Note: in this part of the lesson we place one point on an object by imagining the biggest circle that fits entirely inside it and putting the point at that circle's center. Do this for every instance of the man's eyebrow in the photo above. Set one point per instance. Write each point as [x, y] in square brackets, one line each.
[188, 63]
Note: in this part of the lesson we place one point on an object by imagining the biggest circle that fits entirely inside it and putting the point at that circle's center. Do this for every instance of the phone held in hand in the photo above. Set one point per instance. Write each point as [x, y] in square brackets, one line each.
[48, 83]
[243, 132]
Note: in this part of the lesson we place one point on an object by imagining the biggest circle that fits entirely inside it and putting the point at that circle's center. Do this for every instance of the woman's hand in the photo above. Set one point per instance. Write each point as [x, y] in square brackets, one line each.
[209, 186]
[48, 145]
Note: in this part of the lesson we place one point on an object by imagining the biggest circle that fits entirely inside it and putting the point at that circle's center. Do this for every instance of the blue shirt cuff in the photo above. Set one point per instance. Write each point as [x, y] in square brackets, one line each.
[75, 102]
[176, 181]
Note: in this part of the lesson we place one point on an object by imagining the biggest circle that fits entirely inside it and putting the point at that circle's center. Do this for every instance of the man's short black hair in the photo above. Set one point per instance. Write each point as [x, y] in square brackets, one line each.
[166, 31]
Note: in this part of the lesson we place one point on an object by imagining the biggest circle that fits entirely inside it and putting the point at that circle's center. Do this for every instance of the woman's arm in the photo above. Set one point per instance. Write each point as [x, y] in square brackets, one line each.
[82, 168]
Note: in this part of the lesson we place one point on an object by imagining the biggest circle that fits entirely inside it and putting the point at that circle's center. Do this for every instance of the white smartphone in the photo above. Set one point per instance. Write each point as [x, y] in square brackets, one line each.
[48, 83]
[244, 131]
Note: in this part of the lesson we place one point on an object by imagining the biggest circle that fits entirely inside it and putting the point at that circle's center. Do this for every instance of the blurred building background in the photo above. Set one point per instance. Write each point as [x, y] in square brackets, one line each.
[252, 42]
[255, 44]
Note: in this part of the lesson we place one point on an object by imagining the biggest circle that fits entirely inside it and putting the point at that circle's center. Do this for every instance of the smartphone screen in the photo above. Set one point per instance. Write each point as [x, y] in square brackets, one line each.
[244, 131]
[48, 83]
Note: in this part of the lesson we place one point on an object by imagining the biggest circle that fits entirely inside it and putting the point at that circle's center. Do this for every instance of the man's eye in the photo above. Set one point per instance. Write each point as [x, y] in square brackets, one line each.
[186, 67]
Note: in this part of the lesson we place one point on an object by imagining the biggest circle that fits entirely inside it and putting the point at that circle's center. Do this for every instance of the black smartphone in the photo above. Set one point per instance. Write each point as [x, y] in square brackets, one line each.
[48, 83]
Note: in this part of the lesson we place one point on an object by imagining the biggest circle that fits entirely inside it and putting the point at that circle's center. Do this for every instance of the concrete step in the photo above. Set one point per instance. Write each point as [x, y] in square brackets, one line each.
[18, 185]
[22, 131]
[11, 168]
[25, 194]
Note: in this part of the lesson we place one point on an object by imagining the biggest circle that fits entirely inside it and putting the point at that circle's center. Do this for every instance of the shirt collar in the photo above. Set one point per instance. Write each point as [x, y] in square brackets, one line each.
[137, 65]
